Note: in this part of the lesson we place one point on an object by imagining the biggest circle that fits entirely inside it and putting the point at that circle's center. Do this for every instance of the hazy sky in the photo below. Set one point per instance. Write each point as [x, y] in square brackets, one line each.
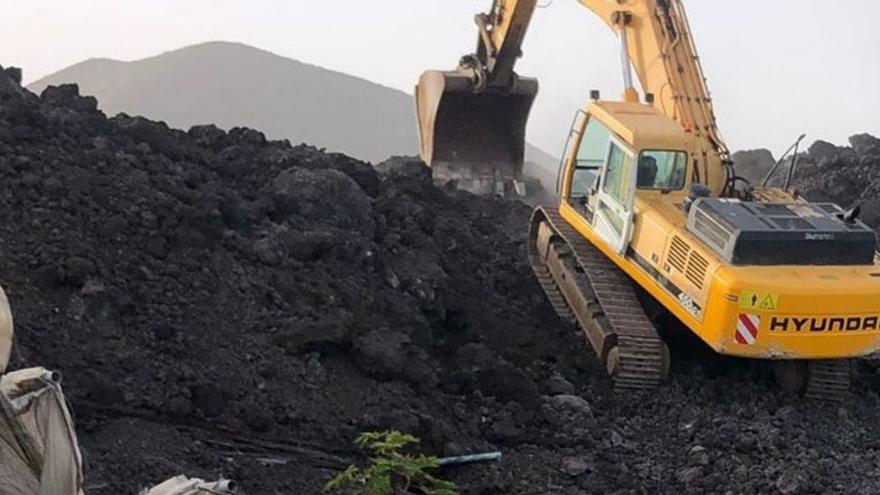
[776, 67]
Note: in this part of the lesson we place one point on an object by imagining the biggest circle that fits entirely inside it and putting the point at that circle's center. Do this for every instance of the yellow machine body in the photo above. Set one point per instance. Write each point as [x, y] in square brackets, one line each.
[802, 312]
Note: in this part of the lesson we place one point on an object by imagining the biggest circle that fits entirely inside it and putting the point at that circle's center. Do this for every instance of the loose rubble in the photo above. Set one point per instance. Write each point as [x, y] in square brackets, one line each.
[232, 307]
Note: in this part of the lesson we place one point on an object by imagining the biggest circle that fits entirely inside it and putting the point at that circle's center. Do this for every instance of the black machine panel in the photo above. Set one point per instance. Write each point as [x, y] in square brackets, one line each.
[751, 233]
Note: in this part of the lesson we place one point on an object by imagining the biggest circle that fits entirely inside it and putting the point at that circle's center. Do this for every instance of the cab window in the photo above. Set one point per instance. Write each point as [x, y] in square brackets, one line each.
[618, 176]
[663, 170]
[590, 158]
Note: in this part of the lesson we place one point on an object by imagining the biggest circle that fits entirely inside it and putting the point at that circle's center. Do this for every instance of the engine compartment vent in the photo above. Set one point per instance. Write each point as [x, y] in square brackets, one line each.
[678, 253]
[696, 269]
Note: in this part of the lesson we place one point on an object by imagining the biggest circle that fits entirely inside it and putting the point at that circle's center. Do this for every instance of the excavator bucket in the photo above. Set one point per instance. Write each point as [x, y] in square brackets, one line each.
[476, 139]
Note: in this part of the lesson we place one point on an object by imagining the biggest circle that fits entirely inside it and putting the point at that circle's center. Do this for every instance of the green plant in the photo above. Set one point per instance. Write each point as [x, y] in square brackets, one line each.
[389, 471]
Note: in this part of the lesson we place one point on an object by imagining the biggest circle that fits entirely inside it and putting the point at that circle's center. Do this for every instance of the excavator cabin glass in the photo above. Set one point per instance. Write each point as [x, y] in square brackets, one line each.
[617, 174]
[590, 158]
[662, 170]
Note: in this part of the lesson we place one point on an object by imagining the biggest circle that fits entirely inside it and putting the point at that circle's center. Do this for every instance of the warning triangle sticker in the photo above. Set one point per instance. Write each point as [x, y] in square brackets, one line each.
[757, 300]
[768, 303]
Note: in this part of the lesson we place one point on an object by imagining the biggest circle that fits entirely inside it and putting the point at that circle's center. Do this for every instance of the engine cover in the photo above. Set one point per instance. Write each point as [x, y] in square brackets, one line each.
[751, 233]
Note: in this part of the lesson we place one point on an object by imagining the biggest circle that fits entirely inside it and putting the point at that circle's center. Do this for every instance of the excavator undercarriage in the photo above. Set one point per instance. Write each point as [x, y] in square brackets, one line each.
[585, 288]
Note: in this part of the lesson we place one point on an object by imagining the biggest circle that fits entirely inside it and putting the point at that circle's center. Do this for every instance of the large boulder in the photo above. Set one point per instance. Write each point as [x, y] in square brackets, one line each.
[822, 150]
[865, 145]
[753, 164]
[323, 197]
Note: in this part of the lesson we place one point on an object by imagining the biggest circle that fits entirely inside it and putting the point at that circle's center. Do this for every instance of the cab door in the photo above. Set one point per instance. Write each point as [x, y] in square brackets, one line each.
[613, 219]
[585, 155]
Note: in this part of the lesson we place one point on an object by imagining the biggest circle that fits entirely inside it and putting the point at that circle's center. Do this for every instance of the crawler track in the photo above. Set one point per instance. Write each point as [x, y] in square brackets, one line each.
[825, 379]
[828, 380]
[586, 288]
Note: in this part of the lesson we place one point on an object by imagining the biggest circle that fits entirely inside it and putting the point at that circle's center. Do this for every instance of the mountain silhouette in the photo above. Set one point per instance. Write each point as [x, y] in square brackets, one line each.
[232, 84]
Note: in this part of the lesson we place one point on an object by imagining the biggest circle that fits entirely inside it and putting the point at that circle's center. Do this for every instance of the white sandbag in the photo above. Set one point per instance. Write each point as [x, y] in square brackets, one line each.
[38, 445]
[6, 331]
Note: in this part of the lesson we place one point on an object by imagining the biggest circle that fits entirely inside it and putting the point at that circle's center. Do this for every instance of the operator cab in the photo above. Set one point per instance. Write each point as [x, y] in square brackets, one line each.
[618, 152]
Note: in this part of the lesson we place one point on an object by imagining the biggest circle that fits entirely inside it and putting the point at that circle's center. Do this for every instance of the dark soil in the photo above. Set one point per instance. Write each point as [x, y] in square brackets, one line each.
[224, 305]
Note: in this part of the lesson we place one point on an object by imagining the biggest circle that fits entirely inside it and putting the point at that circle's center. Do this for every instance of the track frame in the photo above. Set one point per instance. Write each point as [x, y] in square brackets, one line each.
[587, 289]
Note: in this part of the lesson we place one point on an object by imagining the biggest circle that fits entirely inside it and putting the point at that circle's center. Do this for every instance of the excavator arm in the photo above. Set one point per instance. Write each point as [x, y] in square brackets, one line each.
[472, 120]
[501, 34]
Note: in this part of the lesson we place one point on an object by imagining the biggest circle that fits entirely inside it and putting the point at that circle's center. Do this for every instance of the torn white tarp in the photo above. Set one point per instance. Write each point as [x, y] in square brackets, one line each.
[181, 485]
[39, 454]
[5, 331]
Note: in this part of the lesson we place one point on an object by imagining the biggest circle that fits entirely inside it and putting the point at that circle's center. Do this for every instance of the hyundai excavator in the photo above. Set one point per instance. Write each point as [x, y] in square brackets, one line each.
[652, 211]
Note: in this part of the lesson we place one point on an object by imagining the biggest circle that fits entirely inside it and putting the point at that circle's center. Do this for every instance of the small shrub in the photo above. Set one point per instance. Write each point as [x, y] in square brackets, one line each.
[389, 471]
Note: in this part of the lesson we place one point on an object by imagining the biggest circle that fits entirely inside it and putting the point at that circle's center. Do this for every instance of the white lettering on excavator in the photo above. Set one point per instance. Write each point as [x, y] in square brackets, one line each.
[689, 304]
[819, 237]
[828, 324]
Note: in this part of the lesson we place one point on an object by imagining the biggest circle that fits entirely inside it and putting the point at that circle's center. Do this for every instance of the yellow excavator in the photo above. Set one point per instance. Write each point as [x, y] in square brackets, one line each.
[650, 205]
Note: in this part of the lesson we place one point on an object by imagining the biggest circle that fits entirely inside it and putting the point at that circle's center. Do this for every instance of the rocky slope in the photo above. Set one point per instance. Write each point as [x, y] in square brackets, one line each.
[221, 304]
[847, 175]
